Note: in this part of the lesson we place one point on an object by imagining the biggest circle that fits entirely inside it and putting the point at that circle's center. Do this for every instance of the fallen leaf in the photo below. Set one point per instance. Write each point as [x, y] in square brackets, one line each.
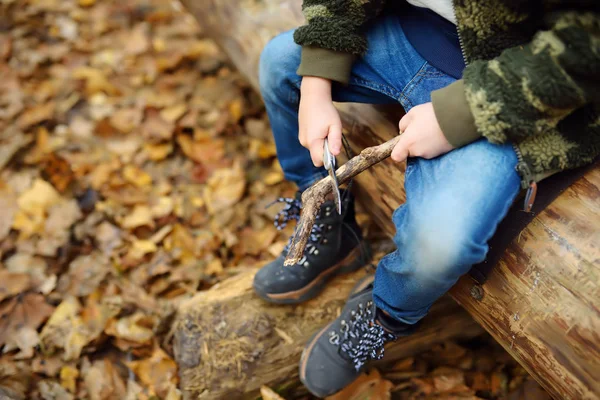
[156, 372]
[225, 188]
[140, 216]
[137, 42]
[136, 176]
[269, 394]
[155, 128]
[11, 141]
[65, 329]
[367, 386]
[9, 207]
[137, 328]
[95, 80]
[12, 284]
[50, 390]
[102, 380]
[158, 152]
[85, 274]
[68, 377]
[36, 115]
[28, 310]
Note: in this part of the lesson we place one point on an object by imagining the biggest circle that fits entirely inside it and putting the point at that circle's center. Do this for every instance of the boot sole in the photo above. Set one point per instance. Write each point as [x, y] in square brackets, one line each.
[352, 262]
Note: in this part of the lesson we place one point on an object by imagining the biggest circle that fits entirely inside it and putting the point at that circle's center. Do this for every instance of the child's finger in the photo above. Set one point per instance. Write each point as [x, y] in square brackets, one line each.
[400, 151]
[334, 138]
[404, 121]
[316, 152]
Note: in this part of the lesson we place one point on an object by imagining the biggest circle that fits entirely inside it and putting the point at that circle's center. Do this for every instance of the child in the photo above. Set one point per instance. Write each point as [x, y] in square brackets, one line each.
[526, 105]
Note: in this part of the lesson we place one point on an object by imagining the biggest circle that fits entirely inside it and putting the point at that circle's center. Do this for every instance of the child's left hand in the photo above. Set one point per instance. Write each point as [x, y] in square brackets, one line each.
[421, 135]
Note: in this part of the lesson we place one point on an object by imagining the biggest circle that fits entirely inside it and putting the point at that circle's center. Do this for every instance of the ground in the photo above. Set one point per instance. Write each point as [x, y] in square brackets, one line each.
[136, 168]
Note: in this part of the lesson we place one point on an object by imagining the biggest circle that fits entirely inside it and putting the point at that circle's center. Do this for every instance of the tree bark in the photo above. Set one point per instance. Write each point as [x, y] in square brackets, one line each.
[541, 300]
[228, 342]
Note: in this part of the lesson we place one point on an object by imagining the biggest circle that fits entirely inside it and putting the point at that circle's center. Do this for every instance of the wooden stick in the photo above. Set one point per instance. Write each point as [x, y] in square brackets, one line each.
[315, 196]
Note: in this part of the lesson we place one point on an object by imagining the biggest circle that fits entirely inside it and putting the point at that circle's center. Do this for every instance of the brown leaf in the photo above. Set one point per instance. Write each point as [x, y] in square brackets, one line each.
[102, 380]
[13, 283]
[85, 273]
[155, 128]
[368, 386]
[29, 310]
[11, 141]
[36, 114]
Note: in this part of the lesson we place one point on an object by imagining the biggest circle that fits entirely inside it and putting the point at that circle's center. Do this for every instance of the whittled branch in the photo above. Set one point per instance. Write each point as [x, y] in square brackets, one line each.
[315, 196]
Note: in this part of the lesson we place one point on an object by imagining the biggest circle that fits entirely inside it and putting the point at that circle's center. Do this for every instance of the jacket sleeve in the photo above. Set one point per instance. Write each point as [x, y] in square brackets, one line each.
[333, 36]
[526, 89]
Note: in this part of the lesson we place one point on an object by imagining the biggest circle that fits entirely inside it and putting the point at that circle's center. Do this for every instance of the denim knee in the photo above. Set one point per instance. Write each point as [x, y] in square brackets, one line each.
[279, 61]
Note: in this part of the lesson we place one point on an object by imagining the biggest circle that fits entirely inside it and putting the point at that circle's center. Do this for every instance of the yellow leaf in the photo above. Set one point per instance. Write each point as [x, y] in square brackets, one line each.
[68, 378]
[158, 152]
[136, 176]
[140, 248]
[140, 216]
[156, 372]
[215, 267]
[163, 207]
[65, 329]
[236, 110]
[225, 188]
[40, 196]
[273, 177]
[87, 3]
[136, 328]
[173, 113]
[95, 80]
[269, 394]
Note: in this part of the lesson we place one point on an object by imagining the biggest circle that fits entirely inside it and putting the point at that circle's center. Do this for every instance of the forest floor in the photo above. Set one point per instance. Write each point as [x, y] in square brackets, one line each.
[135, 170]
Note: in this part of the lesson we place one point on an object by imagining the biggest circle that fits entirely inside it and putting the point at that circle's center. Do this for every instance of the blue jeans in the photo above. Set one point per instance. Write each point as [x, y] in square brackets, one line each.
[453, 203]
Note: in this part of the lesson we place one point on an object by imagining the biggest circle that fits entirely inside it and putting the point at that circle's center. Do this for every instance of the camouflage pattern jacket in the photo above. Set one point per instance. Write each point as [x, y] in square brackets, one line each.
[532, 75]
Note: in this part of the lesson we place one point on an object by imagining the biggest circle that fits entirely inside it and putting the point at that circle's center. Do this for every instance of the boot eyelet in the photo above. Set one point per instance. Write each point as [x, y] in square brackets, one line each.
[316, 252]
[306, 264]
[324, 240]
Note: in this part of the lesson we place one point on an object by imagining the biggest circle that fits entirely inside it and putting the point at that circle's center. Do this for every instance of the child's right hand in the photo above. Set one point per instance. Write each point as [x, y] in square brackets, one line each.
[318, 118]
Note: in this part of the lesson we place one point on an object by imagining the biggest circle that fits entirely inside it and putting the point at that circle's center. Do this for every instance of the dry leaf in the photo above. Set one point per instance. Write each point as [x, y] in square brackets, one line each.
[368, 386]
[50, 390]
[138, 328]
[140, 216]
[156, 372]
[11, 141]
[29, 310]
[13, 283]
[269, 394]
[225, 188]
[85, 274]
[65, 329]
[102, 381]
[68, 378]
[36, 115]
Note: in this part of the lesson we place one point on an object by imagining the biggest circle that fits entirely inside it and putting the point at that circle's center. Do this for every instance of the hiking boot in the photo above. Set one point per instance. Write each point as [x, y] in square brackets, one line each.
[335, 246]
[336, 355]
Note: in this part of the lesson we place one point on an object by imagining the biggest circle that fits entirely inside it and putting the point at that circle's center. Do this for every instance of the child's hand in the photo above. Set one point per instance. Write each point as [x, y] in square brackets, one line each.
[318, 119]
[421, 135]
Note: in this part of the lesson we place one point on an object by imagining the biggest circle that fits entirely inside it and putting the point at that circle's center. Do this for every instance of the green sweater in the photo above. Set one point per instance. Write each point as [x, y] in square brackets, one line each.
[532, 75]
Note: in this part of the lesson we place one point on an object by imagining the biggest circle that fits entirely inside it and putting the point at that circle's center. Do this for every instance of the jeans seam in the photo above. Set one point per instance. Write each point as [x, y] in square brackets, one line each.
[411, 85]
[378, 87]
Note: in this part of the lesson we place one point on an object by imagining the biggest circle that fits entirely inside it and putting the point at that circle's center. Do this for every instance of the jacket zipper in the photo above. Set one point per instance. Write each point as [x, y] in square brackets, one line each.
[527, 180]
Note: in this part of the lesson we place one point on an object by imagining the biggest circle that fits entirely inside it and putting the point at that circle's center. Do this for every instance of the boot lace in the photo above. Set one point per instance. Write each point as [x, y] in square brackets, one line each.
[291, 212]
[361, 339]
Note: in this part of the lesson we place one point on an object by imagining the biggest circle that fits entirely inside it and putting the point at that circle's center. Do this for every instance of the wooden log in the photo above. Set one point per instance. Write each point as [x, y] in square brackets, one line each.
[228, 342]
[541, 300]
